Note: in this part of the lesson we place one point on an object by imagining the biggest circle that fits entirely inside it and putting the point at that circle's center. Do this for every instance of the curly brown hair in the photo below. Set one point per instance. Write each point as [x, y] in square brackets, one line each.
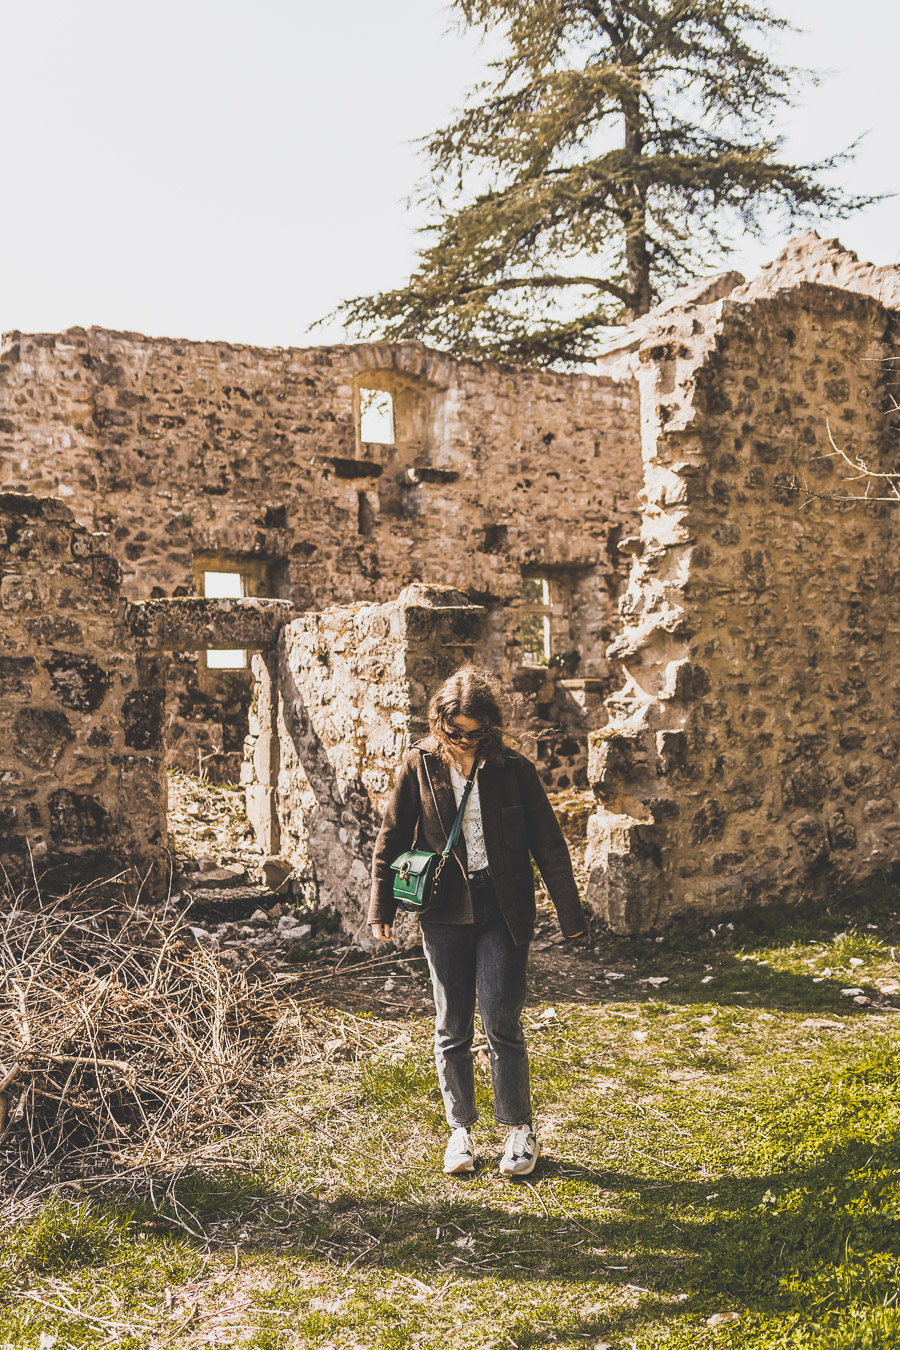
[469, 692]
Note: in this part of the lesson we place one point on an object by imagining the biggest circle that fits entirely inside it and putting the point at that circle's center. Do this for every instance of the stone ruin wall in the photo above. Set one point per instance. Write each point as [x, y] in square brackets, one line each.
[340, 696]
[337, 705]
[82, 774]
[752, 753]
[189, 453]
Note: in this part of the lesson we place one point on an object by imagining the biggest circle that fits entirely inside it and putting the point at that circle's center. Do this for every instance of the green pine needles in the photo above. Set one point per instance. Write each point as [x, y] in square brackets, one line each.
[614, 153]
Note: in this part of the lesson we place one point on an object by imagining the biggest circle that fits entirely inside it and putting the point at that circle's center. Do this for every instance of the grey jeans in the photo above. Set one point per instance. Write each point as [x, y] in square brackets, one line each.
[465, 959]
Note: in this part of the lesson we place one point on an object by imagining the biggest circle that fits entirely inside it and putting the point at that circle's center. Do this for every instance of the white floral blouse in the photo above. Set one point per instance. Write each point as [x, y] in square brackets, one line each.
[472, 829]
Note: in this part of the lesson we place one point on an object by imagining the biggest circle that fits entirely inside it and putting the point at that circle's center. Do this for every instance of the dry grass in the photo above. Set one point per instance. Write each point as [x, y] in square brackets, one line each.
[130, 1054]
[123, 1043]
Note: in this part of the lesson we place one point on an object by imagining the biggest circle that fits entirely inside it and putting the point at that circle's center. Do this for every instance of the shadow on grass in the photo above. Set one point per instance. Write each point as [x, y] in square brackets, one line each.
[644, 1250]
[733, 984]
[686, 1246]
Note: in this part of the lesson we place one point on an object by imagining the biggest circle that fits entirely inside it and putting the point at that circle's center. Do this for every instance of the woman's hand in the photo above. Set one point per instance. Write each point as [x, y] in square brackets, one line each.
[381, 932]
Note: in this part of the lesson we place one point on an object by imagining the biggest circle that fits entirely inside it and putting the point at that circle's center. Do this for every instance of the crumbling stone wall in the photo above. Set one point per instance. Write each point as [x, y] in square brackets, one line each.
[336, 708]
[82, 776]
[808, 260]
[751, 754]
[198, 454]
[751, 750]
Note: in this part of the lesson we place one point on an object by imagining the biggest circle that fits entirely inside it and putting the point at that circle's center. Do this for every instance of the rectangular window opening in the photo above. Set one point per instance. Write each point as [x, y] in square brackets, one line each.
[225, 586]
[534, 621]
[226, 658]
[376, 417]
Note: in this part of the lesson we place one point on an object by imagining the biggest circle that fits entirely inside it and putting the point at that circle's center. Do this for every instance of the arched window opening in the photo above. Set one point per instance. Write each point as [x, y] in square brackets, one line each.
[399, 417]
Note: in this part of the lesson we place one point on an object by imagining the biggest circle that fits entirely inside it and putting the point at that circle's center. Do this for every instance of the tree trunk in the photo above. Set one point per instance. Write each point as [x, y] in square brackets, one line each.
[634, 219]
[637, 262]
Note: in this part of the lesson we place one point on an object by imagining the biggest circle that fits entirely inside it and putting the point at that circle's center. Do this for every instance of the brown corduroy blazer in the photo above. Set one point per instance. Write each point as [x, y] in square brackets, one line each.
[517, 820]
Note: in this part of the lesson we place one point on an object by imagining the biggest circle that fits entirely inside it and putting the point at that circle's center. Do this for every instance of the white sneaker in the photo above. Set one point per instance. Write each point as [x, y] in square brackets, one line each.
[521, 1152]
[459, 1155]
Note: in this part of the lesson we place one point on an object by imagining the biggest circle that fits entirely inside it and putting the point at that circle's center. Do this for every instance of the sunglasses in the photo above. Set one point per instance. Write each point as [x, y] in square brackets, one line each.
[455, 735]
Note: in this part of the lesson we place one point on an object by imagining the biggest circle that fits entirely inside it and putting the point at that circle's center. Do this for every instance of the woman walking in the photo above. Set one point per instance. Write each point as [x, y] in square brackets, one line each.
[476, 937]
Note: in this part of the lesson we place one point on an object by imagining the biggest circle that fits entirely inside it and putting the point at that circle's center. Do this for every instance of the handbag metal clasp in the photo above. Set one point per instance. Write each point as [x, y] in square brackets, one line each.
[404, 872]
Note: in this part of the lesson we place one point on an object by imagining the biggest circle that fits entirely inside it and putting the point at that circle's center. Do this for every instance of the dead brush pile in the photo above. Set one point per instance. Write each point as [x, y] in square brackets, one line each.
[123, 1044]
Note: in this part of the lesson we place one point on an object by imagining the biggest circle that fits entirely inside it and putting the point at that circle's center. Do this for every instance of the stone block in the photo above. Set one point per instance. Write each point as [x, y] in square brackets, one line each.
[143, 719]
[86, 772]
[40, 735]
[263, 817]
[77, 818]
[12, 667]
[191, 623]
[276, 872]
[52, 629]
[811, 838]
[85, 545]
[265, 759]
[24, 593]
[878, 808]
[77, 681]
[142, 793]
[106, 571]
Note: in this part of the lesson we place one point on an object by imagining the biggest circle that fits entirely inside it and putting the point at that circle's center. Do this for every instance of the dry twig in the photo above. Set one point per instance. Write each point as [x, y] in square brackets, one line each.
[122, 1041]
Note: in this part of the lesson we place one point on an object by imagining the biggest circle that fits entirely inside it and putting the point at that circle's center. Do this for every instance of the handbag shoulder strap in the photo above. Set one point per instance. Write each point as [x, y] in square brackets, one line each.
[457, 824]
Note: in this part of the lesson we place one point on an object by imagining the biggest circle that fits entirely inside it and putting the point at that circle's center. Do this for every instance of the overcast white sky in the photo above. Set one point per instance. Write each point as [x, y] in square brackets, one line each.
[228, 169]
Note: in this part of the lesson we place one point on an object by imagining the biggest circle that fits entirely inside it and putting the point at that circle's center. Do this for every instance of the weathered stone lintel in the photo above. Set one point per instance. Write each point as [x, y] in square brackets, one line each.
[193, 624]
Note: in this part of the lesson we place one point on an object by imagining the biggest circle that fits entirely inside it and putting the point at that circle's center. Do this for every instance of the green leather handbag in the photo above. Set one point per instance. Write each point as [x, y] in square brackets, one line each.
[417, 873]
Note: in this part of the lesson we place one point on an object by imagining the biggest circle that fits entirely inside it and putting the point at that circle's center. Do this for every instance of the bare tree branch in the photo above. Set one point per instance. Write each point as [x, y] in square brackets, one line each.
[861, 473]
[514, 283]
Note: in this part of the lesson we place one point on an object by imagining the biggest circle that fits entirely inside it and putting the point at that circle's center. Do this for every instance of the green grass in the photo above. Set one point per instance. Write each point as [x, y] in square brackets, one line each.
[66, 1236]
[726, 1143]
[82, 1270]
